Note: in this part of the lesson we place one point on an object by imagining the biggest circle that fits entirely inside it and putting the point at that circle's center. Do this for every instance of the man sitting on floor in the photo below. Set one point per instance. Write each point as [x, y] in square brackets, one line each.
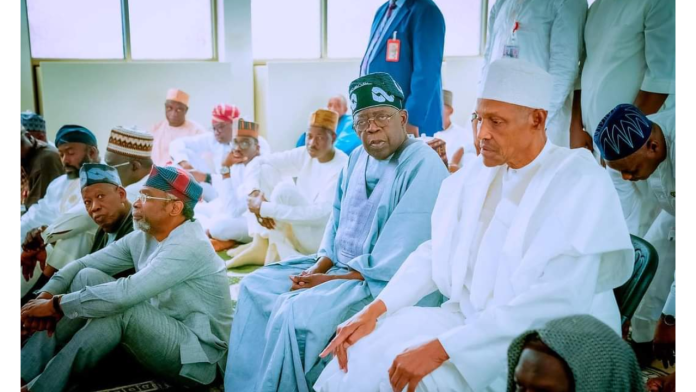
[346, 138]
[40, 164]
[106, 203]
[224, 218]
[288, 311]
[292, 216]
[130, 152]
[514, 246]
[203, 155]
[72, 235]
[173, 314]
[174, 126]
[61, 209]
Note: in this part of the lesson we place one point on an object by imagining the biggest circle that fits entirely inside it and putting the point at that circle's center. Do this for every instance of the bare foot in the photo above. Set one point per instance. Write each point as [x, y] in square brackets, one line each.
[220, 245]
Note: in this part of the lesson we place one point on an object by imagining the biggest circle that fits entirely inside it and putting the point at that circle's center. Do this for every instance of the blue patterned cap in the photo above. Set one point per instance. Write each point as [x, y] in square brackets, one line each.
[176, 181]
[32, 122]
[622, 132]
[75, 134]
[98, 173]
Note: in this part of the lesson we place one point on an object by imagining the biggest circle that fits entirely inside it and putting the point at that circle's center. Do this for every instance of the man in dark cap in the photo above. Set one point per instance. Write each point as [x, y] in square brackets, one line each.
[40, 165]
[106, 204]
[381, 212]
[575, 353]
[640, 153]
[173, 314]
[62, 202]
[35, 126]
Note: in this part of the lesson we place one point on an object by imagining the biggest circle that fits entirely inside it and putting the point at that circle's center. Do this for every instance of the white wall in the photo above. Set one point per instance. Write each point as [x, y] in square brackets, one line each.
[100, 96]
[292, 90]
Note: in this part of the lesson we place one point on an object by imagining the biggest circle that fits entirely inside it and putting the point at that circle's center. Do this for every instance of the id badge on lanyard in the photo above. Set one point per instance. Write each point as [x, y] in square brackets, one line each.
[393, 49]
[512, 49]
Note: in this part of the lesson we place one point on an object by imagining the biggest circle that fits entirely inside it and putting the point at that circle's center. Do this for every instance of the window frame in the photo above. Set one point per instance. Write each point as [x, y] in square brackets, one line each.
[323, 40]
[127, 58]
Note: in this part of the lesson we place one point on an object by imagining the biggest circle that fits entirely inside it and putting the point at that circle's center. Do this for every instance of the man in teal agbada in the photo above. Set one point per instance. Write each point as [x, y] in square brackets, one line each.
[288, 311]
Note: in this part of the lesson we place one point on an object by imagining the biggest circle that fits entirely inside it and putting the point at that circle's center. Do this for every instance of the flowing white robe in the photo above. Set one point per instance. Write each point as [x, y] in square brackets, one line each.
[300, 208]
[549, 257]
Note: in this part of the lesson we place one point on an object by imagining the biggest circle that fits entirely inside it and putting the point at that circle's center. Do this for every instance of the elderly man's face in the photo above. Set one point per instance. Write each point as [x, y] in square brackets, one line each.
[223, 132]
[505, 131]
[641, 164]
[319, 142]
[175, 112]
[384, 130]
[538, 371]
[74, 155]
[105, 204]
[338, 105]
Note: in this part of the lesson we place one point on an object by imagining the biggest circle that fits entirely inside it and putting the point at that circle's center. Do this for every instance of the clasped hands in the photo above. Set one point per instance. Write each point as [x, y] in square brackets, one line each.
[254, 201]
[408, 368]
[40, 315]
[33, 251]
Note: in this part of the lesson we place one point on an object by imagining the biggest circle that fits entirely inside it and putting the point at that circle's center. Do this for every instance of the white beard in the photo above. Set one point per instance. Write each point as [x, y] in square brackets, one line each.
[142, 224]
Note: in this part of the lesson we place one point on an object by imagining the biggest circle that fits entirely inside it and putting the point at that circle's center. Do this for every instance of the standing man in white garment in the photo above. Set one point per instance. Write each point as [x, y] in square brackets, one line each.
[545, 33]
[514, 249]
[293, 213]
[641, 152]
[630, 51]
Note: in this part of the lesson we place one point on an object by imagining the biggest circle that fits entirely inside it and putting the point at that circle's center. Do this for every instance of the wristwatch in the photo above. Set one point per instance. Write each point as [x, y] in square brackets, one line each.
[56, 304]
[224, 170]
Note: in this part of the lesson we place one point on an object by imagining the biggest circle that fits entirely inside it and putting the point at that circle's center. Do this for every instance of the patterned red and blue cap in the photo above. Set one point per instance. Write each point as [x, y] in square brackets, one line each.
[177, 182]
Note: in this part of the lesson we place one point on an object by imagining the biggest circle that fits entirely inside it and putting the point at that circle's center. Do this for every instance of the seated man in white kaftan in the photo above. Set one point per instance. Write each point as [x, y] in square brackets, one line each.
[288, 311]
[291, 195]
[173, 314]
[60, 214]
[513, 246]
[72, 234]
[224, 218]
[640, 154]
[203, 154]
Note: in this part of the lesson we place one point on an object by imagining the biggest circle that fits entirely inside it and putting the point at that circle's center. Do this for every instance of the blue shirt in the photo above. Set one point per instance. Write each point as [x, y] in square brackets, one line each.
[384, 26]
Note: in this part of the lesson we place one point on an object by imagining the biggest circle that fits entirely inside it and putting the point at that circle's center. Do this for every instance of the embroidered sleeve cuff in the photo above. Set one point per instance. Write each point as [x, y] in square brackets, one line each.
[71, 305]
[660, 86]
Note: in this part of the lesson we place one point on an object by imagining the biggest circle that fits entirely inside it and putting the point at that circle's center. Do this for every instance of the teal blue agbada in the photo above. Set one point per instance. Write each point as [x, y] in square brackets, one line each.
[277, 334]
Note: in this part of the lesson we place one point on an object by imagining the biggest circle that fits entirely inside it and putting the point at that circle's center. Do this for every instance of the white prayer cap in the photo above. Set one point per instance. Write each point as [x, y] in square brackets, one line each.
[518, 82]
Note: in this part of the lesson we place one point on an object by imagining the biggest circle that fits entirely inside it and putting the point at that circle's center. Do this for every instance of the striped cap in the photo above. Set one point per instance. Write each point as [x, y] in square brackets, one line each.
[245, 128]
[130, 142]
[176, 181]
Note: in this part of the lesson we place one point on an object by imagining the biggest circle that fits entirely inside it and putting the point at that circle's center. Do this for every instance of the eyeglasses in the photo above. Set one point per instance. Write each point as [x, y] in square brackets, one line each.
[144, 198]
[243, 145]
[121, 164]
[380, 120]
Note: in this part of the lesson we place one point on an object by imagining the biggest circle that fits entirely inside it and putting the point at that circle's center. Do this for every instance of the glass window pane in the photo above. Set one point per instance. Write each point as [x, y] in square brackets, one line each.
[285, 29]
[348, 27]
[170, 29]
[463, 26]
[75, 29]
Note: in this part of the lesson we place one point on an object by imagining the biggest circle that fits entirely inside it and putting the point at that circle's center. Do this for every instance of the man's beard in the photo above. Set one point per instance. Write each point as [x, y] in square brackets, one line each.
[142, 225]
[75, 172]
